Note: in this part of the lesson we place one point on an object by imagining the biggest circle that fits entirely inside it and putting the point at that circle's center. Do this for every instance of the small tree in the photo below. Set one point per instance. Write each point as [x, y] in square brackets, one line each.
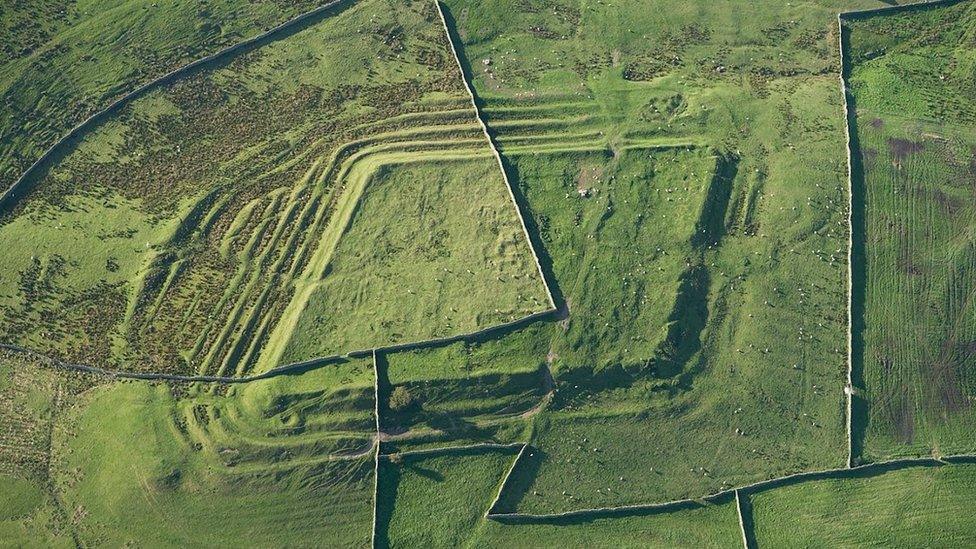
[401, 399]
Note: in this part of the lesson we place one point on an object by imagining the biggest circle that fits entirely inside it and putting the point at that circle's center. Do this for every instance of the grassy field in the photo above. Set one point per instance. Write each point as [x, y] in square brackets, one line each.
[682, 171]
[283, 462]
[437, 501]
[61, 61]
[915, 507]
[705, 526]
[467, 391]
[722, 344]
[462, 262]
[189, 232]
[440, 502]
[917, 158]
[31, 399]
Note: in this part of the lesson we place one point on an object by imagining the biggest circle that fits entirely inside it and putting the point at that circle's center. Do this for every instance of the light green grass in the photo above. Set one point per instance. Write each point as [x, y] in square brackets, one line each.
[434, 248]
[31, 397]
[188, 232]
[913, 507]
[708, 526]
[470, 391]
[756, 341]
[141, 463]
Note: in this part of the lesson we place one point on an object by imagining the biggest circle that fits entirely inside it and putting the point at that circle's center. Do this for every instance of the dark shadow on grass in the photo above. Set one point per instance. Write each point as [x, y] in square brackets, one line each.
[859, 405]
[748, 522]
[545, 260]
[588, 516]
[520, 481]
[386, 495]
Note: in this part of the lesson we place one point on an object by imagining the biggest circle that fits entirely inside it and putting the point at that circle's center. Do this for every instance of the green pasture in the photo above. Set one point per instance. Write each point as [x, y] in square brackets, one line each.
[437, 501]
[433, 248]
[192, 231]
[151, 463]
[920, 506]
[912, 80]
[467, 389]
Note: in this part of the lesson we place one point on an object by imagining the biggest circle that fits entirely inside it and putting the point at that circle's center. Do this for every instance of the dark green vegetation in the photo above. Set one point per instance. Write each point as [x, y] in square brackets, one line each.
[198, 230]
[925, 506]
[437, 501]
[63, 60]
[466, 392]
[913, 80]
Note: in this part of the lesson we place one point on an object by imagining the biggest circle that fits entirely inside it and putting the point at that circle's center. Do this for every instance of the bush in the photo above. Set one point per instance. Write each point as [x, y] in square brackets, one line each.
[401, 399]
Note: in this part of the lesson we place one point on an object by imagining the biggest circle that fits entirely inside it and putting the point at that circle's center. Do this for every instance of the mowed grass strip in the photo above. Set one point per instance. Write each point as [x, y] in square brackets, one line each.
[916, 343]
[918, 506]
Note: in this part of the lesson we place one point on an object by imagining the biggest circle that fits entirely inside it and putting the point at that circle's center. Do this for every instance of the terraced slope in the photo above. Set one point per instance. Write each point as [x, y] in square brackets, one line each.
[63, 60]
[175, 236]
[285, 461]
[911, 78]
[737, 372]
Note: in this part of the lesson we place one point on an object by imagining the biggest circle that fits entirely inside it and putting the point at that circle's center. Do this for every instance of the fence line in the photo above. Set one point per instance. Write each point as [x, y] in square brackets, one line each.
[448, 450]
[494, 150]
[504, 483]
[849, 384]
[96, 118]
[849, 118]
[742, 522]
[758, 486]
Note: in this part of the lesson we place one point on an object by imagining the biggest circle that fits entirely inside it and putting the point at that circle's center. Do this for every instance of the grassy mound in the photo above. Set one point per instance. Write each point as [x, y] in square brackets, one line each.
[434, 248]
[188, 231]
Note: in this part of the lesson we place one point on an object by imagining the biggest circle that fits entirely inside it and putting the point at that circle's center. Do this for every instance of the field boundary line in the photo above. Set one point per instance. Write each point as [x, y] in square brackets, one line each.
[449, 450]
[755, 487]
[162, 80]
[849, 117]
[504, 483]
[494, 149]
[291, 368]
[885, 10]
[377, 446]
[742, 522]
[849, 384]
